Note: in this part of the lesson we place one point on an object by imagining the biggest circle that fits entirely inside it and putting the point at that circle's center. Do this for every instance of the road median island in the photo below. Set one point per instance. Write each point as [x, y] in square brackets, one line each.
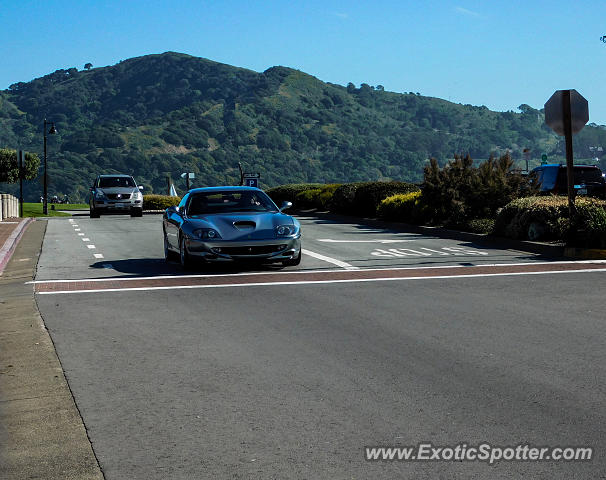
[41, 431]
[547, 249]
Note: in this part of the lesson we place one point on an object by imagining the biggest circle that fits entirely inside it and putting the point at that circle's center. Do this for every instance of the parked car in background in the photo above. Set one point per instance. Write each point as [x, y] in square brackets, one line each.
[588, 180]
[226, 224]
[115, 194]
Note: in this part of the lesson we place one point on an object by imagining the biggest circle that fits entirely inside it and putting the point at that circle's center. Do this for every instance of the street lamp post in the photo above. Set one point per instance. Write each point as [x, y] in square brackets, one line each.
[51, 131]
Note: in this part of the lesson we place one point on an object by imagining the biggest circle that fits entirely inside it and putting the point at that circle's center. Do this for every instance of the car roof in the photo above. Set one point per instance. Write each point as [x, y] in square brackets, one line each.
[116, 175]
[223, 189]
[554, 165]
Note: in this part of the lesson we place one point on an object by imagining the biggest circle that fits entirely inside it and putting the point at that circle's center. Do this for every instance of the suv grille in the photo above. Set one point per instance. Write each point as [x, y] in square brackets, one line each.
[114, 196]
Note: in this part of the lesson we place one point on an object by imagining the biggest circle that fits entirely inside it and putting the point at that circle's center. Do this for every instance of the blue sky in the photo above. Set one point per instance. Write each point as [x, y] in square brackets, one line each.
[495, 53]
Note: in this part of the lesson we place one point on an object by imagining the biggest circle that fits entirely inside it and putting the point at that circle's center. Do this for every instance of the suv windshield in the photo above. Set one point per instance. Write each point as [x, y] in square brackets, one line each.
[204, 203]
[109, 182]
[582, 176]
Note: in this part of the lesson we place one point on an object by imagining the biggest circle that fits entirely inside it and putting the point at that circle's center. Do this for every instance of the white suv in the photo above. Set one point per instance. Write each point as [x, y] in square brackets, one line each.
[116, 194]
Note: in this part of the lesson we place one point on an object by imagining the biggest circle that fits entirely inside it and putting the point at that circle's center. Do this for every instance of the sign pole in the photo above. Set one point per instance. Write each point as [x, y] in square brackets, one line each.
[566, 114]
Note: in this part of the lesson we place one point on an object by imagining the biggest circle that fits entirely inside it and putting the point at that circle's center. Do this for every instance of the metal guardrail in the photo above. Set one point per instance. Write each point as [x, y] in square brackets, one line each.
[9, 206]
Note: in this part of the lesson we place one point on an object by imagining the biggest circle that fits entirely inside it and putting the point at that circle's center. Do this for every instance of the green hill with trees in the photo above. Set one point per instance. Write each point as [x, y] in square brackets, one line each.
[166, 114]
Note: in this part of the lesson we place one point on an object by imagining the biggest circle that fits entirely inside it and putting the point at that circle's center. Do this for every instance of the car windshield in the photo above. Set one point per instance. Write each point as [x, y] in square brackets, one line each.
[205, 203]
[109, 182]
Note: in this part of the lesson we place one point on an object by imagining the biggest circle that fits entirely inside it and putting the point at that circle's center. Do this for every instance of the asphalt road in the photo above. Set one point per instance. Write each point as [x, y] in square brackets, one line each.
[293, 380]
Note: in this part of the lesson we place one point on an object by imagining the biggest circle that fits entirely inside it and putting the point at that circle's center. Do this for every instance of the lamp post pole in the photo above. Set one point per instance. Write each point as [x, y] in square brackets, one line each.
[45, 190]
[52, 131]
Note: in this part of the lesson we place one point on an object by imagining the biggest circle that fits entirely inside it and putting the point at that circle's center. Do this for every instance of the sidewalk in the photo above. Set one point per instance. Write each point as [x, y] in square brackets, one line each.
[11, 230]
[41, 432]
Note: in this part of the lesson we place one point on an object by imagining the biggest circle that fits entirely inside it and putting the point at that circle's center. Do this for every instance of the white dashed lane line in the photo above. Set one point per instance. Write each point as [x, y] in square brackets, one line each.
[85, 239]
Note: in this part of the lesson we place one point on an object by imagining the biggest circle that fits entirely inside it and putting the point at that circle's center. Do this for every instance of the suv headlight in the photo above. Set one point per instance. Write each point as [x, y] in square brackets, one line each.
[99, 195]
[206, 234]
[137, 195]
[287, 230]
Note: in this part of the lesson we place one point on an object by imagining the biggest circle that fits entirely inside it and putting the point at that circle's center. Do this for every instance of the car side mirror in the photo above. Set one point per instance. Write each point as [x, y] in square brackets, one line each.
[285, 205]
[141, 187]
[172, 209]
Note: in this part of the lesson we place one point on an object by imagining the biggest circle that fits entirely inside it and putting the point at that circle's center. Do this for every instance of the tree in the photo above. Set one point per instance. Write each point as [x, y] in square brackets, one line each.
[460, 192]
[9, 166]
[88, 66]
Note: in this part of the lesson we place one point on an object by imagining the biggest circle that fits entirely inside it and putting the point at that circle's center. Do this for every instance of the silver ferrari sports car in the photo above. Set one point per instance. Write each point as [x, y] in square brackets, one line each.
[223, 224]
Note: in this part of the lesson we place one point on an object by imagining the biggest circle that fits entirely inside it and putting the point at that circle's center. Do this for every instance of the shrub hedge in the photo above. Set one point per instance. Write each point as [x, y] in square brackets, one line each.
[159, 202]
[369, 196]
[402, 207]
[320, 198]
[545, 218]
[289, 192]
[364, 198]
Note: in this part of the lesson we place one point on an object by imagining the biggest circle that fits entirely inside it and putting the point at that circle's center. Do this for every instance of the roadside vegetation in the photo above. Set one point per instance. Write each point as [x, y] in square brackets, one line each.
[35, 209]
[491, 198]
[159, 202]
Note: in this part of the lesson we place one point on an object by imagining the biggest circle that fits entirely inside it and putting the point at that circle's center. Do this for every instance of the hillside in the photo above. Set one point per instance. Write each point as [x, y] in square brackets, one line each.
[165, 114]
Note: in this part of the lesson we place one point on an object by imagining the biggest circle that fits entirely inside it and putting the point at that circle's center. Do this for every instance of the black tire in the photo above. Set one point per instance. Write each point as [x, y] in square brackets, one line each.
[94, 213]
[294, 262]
[136, 212]
[184, 259]
[168, 254]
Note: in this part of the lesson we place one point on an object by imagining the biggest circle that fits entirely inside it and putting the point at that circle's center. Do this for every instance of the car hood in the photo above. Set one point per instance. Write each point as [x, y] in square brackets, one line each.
[242, 226]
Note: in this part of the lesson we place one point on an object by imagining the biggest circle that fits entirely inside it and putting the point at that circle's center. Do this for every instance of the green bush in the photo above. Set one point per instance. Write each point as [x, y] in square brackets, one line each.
[343, 197]
[480, 225]
[369, 196]
[460, 192]
[307, 198]
[545, 218]
[326, 194]
[288, 193]
[548, 217]
[320, 198]
[402, 207]
[159, 202]
[364, 198]
[591, 217]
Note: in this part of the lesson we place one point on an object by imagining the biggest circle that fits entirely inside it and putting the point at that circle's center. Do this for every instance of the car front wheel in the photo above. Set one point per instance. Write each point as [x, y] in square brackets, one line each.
[94, 213]
[168, 253]
[185, 259]
[294, 262]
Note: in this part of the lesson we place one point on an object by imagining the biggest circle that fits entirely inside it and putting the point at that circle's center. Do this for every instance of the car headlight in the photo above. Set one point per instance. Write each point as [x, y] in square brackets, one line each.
[137, 195]
[286, 230]
[207, 234]
[99, 195]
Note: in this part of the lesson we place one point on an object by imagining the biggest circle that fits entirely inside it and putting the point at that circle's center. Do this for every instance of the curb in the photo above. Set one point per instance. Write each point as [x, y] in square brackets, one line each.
[585, 253]
[11, 242]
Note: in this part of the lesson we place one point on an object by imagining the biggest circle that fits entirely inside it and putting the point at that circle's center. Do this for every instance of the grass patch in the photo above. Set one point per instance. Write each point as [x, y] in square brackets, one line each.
[35, 209]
